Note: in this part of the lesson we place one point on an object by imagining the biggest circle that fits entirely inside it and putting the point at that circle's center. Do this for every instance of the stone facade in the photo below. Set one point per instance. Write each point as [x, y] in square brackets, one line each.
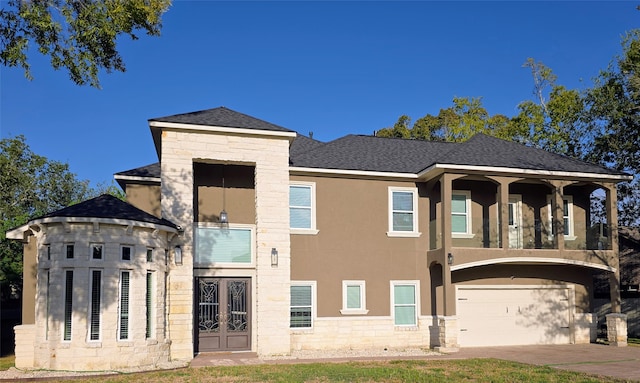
[42, 345]
[270, 156]
[361, 332]
[617, 329]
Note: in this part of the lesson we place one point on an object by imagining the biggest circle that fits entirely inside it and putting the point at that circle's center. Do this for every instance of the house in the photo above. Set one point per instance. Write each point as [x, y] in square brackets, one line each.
[629, 240]
[248, 236]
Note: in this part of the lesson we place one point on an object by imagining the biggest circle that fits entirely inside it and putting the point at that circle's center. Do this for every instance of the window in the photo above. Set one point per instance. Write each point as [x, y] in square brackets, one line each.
[123, 328]
[461, 214]
[48, 303]
[302, 304]
[96, 250]
[234, 245]
[353, 298]
[404, 301]
[70, 250]
[126, 253]
[149, 304]
[94, 314]
[302, 208]
[567, 217]
[149, 255]
[68, 304]
[403, 212]
[47, 251]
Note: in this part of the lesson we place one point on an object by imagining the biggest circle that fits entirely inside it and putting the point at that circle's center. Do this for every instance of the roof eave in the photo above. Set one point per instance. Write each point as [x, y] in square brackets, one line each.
[300, 170]
[437, 169]
[222, 129]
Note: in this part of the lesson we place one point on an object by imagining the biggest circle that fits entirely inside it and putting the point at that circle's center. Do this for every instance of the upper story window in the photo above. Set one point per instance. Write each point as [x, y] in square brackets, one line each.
[403, 212]
[97, 250]
[567, 217]
[126, 252]
[302, 208]
[461, 214]
[70, 250]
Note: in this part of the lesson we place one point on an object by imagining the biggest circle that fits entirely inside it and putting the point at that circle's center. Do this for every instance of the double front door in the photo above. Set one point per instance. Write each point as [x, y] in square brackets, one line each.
[223, 317]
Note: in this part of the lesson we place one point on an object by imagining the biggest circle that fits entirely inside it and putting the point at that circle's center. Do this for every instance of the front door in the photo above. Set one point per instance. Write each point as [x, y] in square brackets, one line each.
[515, 222]
[223, 320]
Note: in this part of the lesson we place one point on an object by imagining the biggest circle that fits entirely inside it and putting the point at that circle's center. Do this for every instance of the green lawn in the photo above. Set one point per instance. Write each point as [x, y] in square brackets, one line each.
[470, 370]
[6, 362]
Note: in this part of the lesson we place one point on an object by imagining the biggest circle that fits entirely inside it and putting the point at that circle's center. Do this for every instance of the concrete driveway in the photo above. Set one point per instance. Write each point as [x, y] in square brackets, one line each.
[598, 359]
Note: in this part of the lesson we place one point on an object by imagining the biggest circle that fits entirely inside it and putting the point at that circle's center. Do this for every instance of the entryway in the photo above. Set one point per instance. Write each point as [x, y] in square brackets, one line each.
[222, 315]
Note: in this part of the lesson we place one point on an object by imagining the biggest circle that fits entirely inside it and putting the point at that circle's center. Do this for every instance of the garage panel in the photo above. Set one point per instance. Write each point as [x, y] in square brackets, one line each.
[500, 316]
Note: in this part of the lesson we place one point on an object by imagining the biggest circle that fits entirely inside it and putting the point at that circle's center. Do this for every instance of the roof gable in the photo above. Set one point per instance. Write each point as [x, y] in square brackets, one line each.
[222, 117]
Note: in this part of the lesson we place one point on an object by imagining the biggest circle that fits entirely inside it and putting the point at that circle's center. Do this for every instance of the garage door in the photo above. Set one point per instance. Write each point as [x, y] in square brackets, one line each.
[513, 316]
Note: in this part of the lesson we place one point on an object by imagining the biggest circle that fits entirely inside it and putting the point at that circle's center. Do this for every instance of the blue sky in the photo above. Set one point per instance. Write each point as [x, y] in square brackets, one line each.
[332, 67]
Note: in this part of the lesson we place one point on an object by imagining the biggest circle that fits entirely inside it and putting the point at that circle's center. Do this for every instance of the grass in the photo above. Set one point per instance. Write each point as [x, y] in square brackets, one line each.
[7, 362]
[633, 341]
[469, 370]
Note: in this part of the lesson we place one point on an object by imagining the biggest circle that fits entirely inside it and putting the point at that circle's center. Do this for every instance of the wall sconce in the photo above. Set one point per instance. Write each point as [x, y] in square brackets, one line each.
[177, 255]
[450, 259]
[224, 218]
[274, 256]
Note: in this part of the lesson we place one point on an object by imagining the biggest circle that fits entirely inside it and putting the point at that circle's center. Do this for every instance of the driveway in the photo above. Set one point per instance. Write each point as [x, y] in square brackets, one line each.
[617, 362]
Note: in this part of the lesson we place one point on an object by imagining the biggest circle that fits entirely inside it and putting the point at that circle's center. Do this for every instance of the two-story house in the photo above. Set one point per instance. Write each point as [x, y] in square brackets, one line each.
[247, 236]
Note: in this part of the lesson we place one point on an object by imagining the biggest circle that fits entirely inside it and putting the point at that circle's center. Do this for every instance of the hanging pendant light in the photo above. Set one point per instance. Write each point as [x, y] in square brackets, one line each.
[223, 218]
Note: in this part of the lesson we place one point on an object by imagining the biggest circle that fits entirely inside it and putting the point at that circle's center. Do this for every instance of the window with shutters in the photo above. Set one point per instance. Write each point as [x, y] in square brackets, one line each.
[94, 305]
[47, 308]
[123, 315]
[149, 306]
[68, 304]
[403, 212]
[404, 303]
[302, 305]
[353, 298]
[302, 208]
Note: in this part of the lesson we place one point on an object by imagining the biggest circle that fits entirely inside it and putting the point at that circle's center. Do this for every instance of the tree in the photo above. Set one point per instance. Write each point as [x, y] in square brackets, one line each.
[30, 185]
[79, 35]
[554, 119]
[457, 123]
[614, 118]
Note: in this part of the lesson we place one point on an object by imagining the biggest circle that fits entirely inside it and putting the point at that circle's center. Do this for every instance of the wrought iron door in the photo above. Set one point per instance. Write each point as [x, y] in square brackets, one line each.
[223, 320]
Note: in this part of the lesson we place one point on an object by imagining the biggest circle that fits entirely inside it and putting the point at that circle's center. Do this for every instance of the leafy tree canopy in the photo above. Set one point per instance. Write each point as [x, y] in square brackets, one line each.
[78, 35]
[30, 186]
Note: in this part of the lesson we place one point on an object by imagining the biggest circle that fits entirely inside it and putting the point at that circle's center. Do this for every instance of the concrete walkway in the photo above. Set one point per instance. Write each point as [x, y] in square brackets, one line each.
[607, 361]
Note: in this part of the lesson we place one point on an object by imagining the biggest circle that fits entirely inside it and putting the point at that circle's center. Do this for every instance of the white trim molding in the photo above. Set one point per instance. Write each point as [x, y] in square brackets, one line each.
[561, 261]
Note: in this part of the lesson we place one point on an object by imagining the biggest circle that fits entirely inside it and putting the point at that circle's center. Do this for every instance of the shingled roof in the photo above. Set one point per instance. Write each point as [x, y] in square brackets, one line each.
[395, 155]
[377, 154]
[110, 207]
[223, 117]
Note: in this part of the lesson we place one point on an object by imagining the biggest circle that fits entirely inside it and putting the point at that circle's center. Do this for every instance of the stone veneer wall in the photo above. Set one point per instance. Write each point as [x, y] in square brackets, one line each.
[270, 156]
[365, 332]
[585, 328]
[47, 348]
